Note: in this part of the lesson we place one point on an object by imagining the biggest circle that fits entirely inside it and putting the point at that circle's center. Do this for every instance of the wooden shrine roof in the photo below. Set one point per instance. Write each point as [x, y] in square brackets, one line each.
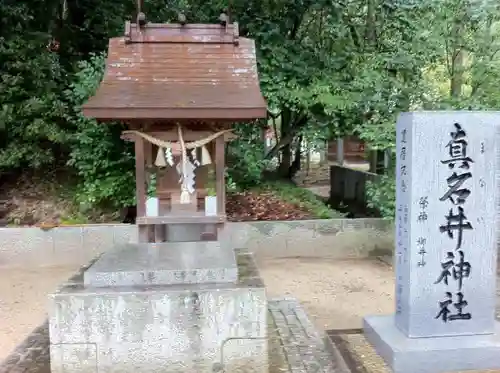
[174, 72]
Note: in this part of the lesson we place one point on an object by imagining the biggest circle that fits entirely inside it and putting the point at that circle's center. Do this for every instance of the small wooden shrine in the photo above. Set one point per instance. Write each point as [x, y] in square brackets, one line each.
[179, 88]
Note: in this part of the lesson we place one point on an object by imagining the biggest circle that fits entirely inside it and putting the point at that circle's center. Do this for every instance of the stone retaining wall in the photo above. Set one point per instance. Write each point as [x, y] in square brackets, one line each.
[337, 238]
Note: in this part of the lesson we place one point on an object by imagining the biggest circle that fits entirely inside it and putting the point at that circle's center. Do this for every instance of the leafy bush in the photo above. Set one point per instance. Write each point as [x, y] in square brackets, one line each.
[246, 162]
[382, 195]
[104, 162]
[32, 133]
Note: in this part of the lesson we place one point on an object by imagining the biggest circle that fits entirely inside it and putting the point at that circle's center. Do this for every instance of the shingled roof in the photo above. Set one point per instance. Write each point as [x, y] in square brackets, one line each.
[169, 71]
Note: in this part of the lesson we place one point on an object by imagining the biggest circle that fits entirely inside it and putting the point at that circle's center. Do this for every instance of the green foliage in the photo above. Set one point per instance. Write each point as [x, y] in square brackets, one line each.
[382, 195]
[454, 64]
[102, 160]
[31, 130]
[245, 157]
[230, 184]
[327, 68]
[302, 75]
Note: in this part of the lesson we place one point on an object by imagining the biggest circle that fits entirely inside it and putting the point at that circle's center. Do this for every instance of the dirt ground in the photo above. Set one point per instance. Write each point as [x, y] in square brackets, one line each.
[23, 301]
[336, 293]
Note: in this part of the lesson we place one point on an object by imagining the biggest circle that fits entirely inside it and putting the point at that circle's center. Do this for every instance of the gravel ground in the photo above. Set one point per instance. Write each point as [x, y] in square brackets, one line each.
[23, 301]
[335, 293]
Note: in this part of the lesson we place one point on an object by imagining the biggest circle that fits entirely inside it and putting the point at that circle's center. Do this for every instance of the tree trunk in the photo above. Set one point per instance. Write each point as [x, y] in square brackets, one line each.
[370, 25]
[286, 151]
[457, 59]
[457, 77]
[296, 164]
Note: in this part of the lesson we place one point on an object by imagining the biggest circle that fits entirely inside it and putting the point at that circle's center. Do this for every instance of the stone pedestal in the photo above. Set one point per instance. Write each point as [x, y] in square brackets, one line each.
[173, 307]
[446, 245]
[431, 355]
[164, 264]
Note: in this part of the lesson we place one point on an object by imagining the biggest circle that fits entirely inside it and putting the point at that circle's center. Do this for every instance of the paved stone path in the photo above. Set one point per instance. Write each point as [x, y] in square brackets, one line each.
[304, 347]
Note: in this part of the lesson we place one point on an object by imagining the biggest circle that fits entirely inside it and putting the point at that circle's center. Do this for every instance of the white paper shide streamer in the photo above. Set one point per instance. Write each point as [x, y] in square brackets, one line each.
[186, 167]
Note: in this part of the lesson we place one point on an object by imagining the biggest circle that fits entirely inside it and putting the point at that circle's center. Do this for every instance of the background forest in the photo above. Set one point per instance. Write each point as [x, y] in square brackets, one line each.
[327, 68]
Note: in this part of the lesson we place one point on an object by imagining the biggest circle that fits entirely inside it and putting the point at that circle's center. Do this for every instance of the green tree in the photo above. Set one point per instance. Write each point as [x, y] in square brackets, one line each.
[104, 162]
[32, 131]
[454, 60]
[327, 68]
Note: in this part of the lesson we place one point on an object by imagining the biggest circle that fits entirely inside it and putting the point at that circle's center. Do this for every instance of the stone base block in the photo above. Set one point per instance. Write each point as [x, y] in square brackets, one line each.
[242, 356]
[171, 263]
[184, 232]
[431, 355]
[201, 328]
[294, 346]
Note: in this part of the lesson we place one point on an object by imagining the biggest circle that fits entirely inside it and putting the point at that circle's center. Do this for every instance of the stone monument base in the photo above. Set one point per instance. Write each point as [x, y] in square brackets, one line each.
[431, 355]
[305, 352]
[162, 308]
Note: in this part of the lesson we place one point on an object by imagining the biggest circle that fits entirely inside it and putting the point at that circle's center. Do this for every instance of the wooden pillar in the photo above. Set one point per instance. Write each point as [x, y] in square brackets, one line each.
[149, 157]
[148, 151]
[220, 182]
[140, 185]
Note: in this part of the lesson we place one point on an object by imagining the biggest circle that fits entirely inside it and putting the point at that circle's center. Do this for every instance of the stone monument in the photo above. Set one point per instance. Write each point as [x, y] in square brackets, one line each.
[446, 246]
[167, 307]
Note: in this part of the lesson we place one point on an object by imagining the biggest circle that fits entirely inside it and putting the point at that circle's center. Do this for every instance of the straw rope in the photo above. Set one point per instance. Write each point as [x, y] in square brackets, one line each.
[183, 147]
[170, 144]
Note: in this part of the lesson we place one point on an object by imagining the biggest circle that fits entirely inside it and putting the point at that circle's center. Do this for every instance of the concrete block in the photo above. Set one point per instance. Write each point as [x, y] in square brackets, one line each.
[267, 239]
[125, 233]
[68, 245]
[96, 240]
[164, 264]
[184, 232]
[272, 229]
[353, 225]
[343, 239]
[26, 247]
[301, 231]
[238, 233]
[380, 225]
[331, 227]
[77, 245]
[431, 355]
[266, 247]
